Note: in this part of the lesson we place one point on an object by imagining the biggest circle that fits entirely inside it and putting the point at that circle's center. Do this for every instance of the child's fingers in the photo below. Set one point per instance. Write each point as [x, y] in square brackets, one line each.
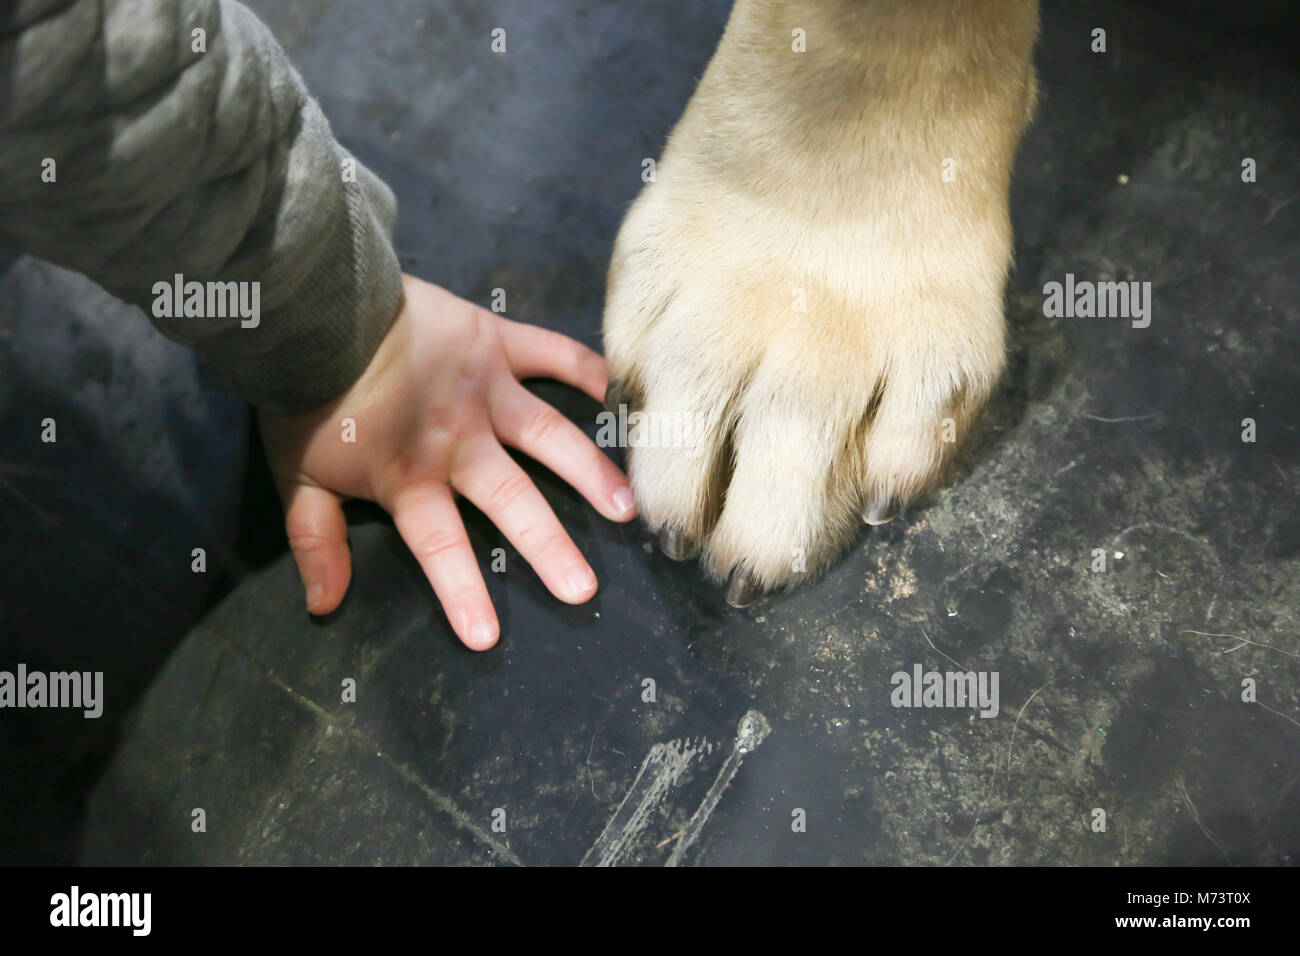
[427, 519]
[487, 476]
[540, 353]
[318, 537]
[524, 421]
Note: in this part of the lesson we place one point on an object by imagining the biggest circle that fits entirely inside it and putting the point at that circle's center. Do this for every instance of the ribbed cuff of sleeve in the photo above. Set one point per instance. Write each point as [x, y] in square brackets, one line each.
[313, 344]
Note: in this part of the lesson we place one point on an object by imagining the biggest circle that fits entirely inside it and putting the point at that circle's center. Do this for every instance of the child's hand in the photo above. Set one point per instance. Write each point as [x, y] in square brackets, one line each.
[431, 412]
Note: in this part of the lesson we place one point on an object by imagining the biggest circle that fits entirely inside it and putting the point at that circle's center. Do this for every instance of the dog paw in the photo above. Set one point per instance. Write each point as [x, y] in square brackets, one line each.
[787, 379]
[774, 406]
[804, 311]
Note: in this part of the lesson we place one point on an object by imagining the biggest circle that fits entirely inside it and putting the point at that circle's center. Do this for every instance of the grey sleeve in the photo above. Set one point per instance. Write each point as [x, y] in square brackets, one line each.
[134, 149]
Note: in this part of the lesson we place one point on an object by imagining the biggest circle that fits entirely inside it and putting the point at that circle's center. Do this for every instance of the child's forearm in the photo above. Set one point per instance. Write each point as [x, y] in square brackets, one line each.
[143, 141]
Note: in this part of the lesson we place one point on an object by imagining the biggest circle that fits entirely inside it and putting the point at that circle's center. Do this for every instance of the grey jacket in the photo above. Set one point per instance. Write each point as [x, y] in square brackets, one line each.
[135, 150]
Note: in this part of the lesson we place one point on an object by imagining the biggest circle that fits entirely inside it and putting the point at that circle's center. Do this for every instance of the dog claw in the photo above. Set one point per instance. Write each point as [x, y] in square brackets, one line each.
[615, 395]
[880, 512]
[673, 543]
[743, 588]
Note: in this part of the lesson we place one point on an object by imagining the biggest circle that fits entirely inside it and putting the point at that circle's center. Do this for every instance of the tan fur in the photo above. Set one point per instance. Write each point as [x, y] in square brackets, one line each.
[822, 172]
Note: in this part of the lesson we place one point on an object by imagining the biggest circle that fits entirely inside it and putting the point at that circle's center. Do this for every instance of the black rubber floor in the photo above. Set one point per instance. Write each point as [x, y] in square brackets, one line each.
[1148, 712]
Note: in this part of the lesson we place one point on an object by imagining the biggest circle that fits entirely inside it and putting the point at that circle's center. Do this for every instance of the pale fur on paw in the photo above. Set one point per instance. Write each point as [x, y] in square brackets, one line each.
[814, 282]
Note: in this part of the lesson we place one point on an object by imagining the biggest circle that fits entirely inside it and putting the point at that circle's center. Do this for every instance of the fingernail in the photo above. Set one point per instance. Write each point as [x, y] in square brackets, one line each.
[314, 593]
[624, 501]
[581, 581]
[483, 633]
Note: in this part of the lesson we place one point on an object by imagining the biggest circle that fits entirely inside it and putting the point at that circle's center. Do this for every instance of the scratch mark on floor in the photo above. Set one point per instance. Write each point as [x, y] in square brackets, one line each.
[659, 773]
[651, 789]
[941, 653]
[1126, 418]
[439, 800]
[1182, 789]
[1277, 207]
[1147, 525]
[753, 730]
[997, 768]
[1242, 642]
[1278, 713]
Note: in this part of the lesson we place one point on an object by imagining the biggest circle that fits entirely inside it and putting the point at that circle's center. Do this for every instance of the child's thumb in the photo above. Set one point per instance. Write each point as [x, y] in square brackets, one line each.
[318, 537]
